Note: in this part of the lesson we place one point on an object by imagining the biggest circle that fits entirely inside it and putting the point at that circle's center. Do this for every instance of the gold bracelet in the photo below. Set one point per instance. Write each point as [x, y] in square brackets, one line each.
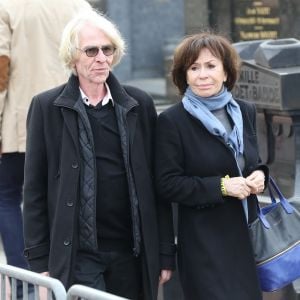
[223, 189]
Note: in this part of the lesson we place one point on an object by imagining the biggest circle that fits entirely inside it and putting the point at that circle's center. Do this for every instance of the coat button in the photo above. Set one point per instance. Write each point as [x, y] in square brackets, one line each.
[67, 242]
[74, 165]
[70, 203]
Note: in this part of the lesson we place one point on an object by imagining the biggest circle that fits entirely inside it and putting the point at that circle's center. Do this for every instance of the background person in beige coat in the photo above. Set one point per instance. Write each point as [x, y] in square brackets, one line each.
[30, 32]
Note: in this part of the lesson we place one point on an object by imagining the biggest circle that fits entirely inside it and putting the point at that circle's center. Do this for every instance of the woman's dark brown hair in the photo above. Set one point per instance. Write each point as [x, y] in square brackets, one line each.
[189, 49]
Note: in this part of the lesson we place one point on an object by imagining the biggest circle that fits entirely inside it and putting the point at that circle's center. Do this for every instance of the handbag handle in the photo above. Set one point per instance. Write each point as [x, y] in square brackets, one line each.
[273, 199]
[282, 201]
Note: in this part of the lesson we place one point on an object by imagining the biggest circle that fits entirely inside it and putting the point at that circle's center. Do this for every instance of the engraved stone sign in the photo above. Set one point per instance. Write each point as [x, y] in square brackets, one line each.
[271, 89]
[259, 87]
[256, 20]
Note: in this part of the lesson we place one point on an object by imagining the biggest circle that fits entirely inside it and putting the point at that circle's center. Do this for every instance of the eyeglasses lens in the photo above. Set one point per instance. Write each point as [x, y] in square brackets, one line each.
[108, 50]
[93, 51]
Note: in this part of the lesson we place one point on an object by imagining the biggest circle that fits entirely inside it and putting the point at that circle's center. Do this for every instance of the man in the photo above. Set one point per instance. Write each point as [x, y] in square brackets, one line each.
[89, 208]
[30, 34]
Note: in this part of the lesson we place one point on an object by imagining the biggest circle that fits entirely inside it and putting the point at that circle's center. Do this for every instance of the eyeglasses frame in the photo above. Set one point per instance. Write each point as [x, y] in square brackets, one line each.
[99, 48]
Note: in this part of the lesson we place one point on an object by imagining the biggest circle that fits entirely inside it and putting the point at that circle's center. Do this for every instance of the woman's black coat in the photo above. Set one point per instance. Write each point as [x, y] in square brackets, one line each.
[215, 256]
[52, 172]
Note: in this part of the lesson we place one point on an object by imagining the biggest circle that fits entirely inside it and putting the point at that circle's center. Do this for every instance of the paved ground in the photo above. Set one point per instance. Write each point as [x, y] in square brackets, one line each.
[156, 87]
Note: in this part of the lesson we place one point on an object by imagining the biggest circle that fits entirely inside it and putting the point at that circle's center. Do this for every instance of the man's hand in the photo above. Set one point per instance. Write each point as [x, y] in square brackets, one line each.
[165, 275]
[4, 72]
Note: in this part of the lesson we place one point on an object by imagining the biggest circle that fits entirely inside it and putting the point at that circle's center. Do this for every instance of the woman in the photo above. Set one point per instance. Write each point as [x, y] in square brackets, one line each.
[207, 161]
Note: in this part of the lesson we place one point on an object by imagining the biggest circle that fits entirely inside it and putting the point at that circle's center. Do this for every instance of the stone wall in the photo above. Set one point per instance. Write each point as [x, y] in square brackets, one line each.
[153, 27]
[196, 15]
[148, 26]
[290, 19]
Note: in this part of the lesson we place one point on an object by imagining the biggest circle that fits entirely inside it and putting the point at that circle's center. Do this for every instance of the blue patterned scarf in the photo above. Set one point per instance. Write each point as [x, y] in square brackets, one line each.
[201, 109]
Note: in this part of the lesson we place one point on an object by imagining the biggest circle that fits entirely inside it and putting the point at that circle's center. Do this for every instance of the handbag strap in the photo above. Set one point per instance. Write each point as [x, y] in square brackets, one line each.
[273, 199]
[283, 201]
[273, 188]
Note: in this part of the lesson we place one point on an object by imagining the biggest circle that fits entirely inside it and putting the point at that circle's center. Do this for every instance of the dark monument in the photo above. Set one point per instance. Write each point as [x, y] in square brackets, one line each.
[271, 79]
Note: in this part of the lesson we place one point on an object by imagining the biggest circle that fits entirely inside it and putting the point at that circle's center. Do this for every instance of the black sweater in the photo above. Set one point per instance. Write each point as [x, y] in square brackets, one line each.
[114, 225]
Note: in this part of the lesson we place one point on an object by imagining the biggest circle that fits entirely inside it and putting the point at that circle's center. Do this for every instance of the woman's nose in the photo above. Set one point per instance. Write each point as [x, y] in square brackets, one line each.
[202, 72]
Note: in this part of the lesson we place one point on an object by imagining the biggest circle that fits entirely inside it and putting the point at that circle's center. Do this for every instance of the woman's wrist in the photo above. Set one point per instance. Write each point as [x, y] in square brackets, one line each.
[223, 188]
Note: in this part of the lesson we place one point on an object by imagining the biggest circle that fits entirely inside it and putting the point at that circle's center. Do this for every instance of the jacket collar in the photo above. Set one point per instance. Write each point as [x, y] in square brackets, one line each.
[71, 93]
[119, 94]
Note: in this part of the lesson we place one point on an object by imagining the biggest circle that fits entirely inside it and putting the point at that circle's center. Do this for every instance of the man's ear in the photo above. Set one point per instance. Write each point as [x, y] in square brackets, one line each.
[4, 72]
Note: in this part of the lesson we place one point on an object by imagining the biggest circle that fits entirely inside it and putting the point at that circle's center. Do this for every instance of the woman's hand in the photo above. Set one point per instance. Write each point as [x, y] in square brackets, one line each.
[256, 182]
[237, 187]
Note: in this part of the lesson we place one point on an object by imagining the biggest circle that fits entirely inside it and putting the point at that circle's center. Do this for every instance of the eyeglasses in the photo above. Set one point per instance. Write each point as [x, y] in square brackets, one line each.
[93, 51]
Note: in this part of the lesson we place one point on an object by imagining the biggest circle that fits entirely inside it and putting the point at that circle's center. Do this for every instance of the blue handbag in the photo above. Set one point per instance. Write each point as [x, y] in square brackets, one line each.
[275, 237]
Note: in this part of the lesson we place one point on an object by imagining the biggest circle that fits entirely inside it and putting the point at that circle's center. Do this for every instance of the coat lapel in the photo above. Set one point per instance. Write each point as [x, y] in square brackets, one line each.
[66, 100]
[131, 121]
[127, 105]
[70, 118]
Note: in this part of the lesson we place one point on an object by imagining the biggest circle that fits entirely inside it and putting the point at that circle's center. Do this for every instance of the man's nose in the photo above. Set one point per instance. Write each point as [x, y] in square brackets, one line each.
[101, 56]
